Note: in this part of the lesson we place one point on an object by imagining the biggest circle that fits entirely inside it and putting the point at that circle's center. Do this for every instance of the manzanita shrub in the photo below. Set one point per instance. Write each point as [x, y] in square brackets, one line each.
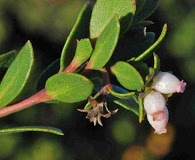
[108, 41]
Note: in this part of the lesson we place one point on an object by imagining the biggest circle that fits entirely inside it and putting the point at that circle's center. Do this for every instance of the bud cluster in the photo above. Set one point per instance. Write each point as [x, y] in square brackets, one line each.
[155, 103]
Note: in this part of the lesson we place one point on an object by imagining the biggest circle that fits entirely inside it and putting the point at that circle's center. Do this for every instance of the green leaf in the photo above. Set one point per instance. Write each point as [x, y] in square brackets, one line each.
[7, 58]
[156, 63]
[88, 105]
[133, 45]
[139, 5]
[128, 104]
[31, 128]
[119, 92]
[17, 75]
[149, 72]
[80, 30]
[104, 11]
[153, 47]
[149, 76]
[52, 69]
[142, 46]
[83, 51]
[142, 68]
[127, 75]
[141, 109]
[105, 45]
[141, 24]
[148, 8]
[69, 87]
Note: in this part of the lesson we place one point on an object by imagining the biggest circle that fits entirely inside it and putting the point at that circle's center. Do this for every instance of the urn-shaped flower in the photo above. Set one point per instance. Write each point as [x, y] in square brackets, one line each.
[166, 83]
[159, 125]
[154, 103]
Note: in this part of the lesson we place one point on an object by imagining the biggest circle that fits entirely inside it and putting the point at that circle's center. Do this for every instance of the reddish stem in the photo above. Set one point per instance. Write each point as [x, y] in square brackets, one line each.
[106, 81]
[39, 97]
[72, 67]
[106, 78]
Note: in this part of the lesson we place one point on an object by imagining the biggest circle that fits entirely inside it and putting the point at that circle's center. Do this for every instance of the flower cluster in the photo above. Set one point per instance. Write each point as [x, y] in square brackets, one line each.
[155, 103]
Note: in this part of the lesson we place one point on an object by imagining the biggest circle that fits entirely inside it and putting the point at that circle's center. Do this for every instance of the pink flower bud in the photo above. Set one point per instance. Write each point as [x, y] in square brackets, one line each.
[159, 125]
[167, 83]
[154, 103]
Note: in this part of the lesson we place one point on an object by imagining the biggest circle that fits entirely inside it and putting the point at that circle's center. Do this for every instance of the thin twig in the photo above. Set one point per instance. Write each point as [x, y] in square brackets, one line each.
[39, 97]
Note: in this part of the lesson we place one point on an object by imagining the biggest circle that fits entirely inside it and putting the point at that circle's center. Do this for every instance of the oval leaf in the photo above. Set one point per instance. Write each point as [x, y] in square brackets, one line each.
[69, 87]
[128, 104]
[104, 11]
[127, 75]
[79, 31]
[105, 45]
[133, 45]
[7, 58]
[146, 10]
[143, 45]
[83, 51]
[16, 76]
[50, 70]
[143, 69]
[119, 92]
[31, 128]
[139, 5]
[153, 47]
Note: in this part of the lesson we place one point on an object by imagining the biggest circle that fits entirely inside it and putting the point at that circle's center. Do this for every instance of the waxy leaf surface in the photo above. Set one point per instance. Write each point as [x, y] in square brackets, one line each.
[147, 53]
[139, 5]
[127, 75]
[50, 70]
[105, 45]
[7, 58]
[143, 69]
[128, 104]
[119, 92]
[146, 10]
[17, 75]
[31, 129]
[80, 30]
[103, 12]
[83, 51]
[69, 87]
[141, 46]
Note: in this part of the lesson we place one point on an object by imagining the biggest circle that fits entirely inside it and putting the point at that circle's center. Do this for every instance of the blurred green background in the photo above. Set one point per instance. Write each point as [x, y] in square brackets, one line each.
[46, 23]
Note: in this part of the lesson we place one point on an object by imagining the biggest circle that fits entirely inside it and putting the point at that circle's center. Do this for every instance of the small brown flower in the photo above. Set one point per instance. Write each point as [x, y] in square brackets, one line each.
[96, 111]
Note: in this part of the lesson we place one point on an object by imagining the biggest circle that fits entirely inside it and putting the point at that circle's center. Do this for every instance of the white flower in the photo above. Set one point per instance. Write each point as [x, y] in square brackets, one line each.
[154, 103]
[166, 83]
[159, 125]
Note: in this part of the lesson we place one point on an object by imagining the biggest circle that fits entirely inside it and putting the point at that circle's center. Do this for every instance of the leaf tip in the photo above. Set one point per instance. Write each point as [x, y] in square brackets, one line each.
[29, 43]
[154, 54]
[165, 25]
[60, 133]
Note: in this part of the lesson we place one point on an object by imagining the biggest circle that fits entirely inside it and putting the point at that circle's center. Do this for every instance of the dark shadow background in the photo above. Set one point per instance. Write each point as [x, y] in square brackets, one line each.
[46, 24]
